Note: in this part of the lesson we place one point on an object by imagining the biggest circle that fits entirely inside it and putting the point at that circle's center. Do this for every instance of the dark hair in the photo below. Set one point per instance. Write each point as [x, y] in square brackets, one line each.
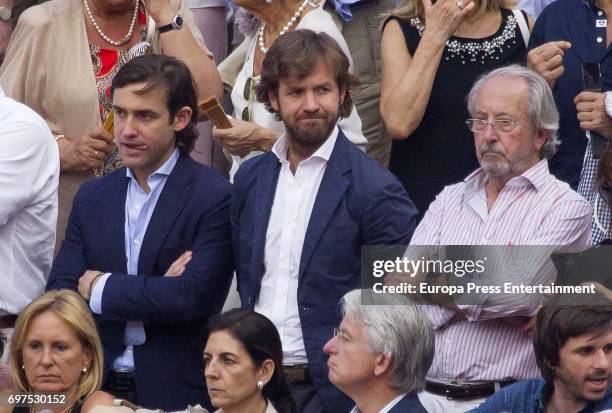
[261, 340]
[174, 76]
[295, 55]
[565, 316]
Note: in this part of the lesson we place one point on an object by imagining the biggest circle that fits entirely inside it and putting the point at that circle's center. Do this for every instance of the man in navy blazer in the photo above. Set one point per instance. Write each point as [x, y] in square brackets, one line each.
[302, 212]
[150, 245]
[381, 352]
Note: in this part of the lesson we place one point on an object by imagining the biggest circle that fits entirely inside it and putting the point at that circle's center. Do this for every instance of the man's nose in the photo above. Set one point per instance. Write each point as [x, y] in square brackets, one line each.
[602, 360]
[310, 103]
[129, 127]
[490, 133]
[330, 346]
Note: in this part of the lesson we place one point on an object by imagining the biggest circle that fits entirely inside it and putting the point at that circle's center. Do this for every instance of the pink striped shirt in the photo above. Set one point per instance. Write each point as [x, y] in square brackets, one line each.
[532, 209]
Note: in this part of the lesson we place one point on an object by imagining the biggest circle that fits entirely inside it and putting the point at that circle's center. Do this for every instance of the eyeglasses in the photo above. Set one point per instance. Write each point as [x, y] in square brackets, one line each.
[499, 125]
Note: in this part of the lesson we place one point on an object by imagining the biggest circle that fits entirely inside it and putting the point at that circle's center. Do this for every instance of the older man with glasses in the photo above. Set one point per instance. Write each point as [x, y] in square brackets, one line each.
[511, 200]
[381, 352]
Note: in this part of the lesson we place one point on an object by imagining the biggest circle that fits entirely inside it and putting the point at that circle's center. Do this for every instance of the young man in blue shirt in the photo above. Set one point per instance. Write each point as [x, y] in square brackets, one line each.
[573, 347]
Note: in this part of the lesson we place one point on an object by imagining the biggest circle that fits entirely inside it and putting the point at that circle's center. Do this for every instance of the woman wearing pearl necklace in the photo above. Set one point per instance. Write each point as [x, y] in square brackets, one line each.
[255, 128]
[63, 56]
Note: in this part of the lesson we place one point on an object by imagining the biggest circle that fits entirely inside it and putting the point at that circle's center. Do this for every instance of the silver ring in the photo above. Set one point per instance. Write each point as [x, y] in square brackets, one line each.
[96, 154]
[460, 4]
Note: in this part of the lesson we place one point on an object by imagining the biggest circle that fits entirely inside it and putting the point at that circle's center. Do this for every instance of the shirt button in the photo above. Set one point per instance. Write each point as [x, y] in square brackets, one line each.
[136, 241]
[599, 39]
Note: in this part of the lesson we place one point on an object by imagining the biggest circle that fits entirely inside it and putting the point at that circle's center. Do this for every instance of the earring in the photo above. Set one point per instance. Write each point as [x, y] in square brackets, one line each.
[23, 367]
[268, 1]
[260, 385]
[84, 370]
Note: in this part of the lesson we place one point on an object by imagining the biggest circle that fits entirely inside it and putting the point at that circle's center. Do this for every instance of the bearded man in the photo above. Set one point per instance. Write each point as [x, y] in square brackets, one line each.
[511, 200]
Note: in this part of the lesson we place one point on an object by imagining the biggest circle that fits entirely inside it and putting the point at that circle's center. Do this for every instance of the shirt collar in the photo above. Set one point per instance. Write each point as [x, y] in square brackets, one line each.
[546, 391]
[387, 407]
[535, 176]
[165, 169]
[324, 152]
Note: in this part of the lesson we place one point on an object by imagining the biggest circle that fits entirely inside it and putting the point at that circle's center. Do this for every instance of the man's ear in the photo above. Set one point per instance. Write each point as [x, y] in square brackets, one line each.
[273, 98]
[382, 364]
[542, 136]
[343, 93]
[182, 117]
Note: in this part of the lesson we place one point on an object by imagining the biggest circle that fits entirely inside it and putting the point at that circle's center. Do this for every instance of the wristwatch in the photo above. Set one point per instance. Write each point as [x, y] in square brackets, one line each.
[177, 24]
[5, 14]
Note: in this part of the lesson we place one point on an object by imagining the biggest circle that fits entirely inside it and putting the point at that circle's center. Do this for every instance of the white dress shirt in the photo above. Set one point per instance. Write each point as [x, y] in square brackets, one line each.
[139, 207]
[29, 177]
[293, 202]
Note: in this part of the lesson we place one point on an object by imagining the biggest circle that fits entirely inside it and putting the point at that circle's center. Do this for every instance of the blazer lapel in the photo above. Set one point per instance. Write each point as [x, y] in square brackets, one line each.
[112, 226]
[265, 190]
[331, 191]
[171, 202]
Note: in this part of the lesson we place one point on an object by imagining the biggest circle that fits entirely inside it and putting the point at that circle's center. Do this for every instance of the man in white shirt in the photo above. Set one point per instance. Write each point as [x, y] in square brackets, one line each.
[381, 352]
[302, 212]
[29, 171]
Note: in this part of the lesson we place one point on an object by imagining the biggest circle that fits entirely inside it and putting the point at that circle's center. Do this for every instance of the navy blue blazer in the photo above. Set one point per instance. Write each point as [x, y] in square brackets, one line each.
[358, 203]
[409, 404]
[192, 213]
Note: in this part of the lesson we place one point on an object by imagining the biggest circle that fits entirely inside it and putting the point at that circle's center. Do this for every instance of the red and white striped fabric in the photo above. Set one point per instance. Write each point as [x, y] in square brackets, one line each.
[6, 383]
[532, 209]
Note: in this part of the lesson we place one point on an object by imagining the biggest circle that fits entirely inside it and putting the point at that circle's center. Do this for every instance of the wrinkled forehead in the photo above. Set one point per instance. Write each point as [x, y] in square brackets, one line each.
[319, 71]
[503, 95]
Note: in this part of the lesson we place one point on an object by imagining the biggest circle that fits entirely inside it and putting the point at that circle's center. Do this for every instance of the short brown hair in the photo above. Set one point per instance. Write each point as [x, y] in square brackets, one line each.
[566, 316]
[295, 55]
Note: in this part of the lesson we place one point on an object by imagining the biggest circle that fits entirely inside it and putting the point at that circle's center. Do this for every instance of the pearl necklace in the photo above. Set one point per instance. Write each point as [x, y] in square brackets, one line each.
[285, 29]
[125, 38]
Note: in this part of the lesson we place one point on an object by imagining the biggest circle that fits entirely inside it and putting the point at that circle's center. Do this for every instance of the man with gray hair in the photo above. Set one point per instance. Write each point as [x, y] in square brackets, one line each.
[511, 200]
[381, 352]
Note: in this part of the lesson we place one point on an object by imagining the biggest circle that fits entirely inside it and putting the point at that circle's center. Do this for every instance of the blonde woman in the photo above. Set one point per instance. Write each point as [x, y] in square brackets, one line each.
[55, 349]
[432, 51]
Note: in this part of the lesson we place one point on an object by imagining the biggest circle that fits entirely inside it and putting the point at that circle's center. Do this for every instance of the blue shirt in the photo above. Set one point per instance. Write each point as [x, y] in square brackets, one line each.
[531, 396]
[574, 21]
[139, 207]
[343, 7]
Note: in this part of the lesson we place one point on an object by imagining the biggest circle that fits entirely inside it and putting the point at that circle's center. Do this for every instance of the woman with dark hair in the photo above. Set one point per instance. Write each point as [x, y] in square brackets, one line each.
[243, 359]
